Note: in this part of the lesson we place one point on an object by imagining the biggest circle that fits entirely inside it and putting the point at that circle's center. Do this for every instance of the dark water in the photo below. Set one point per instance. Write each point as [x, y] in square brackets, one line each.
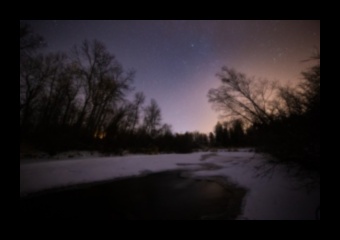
[156, 196]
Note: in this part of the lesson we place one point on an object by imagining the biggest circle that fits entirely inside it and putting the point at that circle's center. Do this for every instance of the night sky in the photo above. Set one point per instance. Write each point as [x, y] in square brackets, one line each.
[176, 61]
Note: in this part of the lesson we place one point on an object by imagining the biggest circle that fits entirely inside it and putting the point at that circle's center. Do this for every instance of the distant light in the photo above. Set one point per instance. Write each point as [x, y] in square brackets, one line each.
[99, 134]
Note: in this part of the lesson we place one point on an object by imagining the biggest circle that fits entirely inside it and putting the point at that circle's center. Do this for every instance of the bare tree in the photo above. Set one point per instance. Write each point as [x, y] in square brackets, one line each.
[152, 118]
[305, 96]
[104, 82]
[311, 84]
[290, 102]
[52, 99]
[135, 113]
[242, 97]
[70, 85]
[32, 73]
[165, 129]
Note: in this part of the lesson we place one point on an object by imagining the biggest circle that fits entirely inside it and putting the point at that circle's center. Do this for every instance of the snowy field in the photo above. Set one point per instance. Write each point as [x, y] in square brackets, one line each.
[275, 195]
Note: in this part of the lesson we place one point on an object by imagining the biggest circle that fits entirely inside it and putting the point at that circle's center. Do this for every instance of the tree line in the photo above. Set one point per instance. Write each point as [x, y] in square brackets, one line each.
[282, 120]
[79, 101]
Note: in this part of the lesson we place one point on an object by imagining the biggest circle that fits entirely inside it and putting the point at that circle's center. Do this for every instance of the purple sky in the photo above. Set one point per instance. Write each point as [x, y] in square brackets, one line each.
[176, 61]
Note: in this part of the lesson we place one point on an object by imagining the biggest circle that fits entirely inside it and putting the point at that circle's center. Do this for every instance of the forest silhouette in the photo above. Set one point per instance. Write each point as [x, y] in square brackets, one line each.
[78, 101]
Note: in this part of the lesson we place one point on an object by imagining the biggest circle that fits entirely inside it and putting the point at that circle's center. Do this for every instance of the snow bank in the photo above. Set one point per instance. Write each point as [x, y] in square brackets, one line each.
[43, 174]
[272, 196]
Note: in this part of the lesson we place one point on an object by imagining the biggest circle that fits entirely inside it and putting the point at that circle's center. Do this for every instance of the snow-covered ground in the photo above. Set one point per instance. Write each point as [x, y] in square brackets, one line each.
[275, 195]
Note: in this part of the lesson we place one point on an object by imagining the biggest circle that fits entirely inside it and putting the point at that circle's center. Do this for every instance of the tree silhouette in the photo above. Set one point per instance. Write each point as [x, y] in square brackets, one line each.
[211, 139]
[136, 107]
[152, 118]
[281, 120]
[237, 136]
[219, 132]
[242, 97]
[104, 83]
[311, 85]
[31, 74]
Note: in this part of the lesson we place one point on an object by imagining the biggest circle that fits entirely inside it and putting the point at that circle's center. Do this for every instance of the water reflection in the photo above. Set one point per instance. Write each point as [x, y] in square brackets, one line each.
[156, 196]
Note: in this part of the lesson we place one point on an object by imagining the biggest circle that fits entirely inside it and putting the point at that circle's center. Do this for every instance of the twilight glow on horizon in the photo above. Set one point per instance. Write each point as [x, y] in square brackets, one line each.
[176, 61]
